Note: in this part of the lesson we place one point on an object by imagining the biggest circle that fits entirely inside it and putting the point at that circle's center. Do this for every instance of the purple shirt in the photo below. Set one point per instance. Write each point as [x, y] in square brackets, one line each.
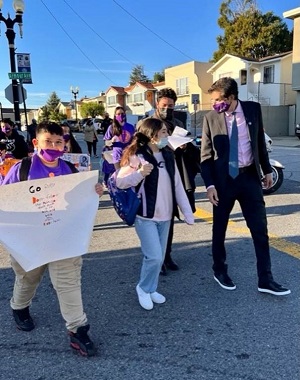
[123, 140]
[37, 170]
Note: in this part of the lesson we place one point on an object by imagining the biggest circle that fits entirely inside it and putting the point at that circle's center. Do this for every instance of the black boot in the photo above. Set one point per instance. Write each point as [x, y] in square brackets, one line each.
[170, 264]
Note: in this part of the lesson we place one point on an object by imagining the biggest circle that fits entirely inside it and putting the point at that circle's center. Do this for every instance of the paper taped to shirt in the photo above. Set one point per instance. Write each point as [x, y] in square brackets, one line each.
[48, 219]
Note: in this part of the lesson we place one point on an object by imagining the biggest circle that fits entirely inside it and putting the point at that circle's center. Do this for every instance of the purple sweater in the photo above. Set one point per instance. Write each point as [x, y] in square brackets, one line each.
[124, 139]
[37, 170]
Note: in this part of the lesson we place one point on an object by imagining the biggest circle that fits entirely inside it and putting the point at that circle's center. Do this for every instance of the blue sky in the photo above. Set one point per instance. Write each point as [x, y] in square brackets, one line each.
[94, 44]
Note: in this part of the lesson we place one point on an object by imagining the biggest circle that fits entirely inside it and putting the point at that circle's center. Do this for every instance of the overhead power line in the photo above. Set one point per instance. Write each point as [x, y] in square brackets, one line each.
[150, 30]
[75, 43]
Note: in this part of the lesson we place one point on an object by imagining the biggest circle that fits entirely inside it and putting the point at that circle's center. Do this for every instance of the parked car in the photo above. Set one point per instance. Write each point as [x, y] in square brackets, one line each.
[297, 131]
[72, 124]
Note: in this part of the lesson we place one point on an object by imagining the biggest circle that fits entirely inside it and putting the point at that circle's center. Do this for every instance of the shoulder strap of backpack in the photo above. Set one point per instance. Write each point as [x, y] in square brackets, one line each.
[24, 168]
[71, 166]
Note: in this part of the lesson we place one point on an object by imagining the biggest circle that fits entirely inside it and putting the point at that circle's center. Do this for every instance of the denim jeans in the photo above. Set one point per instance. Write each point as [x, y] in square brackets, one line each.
[153, 237]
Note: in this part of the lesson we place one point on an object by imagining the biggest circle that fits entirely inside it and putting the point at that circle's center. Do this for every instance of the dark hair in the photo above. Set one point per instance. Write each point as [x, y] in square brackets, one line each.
[116, 126]
[167, 92]
[148, 129]
[226, 86]
[50, 127]
[8, 121]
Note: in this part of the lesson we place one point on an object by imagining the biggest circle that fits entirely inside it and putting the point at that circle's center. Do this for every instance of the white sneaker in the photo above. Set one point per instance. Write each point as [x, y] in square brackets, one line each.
[144, 299]
[157, 297]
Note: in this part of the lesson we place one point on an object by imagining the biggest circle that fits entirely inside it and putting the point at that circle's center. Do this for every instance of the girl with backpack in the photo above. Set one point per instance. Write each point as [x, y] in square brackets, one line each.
[147, 160]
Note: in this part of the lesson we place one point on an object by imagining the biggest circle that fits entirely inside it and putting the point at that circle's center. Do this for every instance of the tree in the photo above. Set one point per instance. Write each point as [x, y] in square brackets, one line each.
[137, 75]
[159, 77]
[92, 109]
[45, 116]
[53, 101]
[250, 33]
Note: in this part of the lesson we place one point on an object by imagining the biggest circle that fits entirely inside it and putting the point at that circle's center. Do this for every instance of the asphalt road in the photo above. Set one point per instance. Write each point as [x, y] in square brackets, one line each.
[201, 332]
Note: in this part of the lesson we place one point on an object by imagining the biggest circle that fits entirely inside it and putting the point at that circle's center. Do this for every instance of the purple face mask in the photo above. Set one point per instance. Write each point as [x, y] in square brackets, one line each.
[51, 155]
[5, 129]
[221, 107]
[66, 137]
[121, 118]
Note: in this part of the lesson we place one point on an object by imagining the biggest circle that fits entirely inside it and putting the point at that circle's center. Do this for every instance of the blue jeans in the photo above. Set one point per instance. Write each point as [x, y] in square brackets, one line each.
[153, 237]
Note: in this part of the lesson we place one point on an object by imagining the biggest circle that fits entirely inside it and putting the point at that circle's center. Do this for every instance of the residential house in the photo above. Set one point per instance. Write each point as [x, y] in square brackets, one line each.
[294, 14]
[137, 99]
[100, 99]
[187, 79]
[267, 80]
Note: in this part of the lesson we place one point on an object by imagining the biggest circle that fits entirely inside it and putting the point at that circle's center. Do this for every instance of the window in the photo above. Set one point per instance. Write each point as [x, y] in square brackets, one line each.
[111, 100]
[243, 77]
[182, 87]
[138, 97]
[269, 74]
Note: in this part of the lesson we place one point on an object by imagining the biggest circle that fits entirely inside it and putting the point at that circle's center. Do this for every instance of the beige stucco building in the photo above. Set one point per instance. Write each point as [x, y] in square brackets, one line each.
[294, 14]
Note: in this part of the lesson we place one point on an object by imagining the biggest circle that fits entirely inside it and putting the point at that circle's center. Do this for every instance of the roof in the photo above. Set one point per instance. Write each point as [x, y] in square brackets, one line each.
[227, 56]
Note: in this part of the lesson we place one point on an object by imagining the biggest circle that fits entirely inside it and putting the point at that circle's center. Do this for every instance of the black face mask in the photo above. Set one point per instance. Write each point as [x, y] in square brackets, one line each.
[166, 113]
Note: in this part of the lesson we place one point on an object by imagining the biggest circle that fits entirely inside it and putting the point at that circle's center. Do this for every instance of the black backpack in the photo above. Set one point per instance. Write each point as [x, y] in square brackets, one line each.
[25, 167]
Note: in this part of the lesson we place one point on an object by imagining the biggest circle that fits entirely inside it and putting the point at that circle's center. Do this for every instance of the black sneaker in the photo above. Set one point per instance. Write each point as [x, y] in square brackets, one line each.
[272, 287]
[170, 264]
[81, 342]
[23, 319]
[224, 281]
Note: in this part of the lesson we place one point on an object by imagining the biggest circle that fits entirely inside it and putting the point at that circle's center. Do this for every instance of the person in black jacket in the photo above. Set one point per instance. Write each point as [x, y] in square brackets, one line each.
[15, 143]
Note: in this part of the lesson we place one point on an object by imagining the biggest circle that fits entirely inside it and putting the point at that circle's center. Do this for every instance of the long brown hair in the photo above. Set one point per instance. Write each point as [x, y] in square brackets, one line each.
[116, 126]
[148, 129]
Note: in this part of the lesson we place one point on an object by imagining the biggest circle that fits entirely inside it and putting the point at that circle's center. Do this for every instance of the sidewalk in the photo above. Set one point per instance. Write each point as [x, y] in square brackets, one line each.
[289, 141]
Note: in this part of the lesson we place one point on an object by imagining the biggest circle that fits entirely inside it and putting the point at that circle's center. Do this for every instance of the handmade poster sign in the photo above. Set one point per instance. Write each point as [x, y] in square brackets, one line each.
[48, 219]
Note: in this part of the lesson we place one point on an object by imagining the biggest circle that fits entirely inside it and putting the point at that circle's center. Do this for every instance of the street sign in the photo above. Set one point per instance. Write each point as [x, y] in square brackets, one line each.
[23, 60]
[20, 76]
[9, 93]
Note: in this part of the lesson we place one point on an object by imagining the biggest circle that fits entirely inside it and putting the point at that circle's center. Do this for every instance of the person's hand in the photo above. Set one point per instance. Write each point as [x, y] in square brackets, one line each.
[212, 195]
[146, 169]
[99, 189]
[268, 181]
[115, 139]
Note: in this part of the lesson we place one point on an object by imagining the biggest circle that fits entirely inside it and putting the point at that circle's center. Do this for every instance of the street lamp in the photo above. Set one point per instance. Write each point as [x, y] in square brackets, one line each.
[75, 92]
[10, 34]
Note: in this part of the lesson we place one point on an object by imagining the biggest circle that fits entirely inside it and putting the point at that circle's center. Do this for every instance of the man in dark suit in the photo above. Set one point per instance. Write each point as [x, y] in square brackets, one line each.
[233, 150]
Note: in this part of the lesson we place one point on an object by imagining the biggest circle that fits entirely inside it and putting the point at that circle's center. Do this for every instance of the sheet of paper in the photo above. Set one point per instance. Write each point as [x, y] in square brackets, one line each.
[177, 141]
[48, 219]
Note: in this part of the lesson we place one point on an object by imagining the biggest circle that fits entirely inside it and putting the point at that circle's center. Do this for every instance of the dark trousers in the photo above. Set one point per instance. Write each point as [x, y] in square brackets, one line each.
[170, 240]
[91, 145]
[247, 190]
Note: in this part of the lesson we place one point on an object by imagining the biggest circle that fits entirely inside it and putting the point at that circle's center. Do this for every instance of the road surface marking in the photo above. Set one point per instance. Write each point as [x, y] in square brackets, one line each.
[292, 249]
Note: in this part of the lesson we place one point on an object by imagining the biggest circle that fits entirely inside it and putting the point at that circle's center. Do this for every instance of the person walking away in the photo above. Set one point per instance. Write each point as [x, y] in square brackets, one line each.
[65, 274]
[233, 150]
[90, 136]
[31, 134]
[150, 167]
[119, 135]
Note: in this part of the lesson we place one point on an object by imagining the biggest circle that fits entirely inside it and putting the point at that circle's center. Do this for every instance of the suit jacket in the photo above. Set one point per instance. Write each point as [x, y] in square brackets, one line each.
[215, 144]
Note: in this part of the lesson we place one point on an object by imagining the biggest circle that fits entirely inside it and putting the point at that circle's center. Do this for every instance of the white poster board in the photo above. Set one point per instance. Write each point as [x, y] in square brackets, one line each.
[48, 219]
